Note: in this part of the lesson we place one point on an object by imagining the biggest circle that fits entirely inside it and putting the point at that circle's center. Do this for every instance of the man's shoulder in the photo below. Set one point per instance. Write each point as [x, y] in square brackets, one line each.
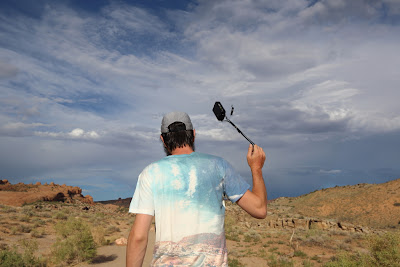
[207, 156]
[195, 156]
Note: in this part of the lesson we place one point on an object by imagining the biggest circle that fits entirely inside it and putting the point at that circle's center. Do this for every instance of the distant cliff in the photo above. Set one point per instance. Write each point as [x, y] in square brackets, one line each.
[19, 194]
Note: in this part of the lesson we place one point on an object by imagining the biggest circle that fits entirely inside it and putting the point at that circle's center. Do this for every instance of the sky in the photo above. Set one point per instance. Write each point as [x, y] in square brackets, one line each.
[84, 86]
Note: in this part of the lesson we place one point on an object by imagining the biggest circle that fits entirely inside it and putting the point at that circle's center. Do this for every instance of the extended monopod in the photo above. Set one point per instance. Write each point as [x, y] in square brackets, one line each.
[220, 113]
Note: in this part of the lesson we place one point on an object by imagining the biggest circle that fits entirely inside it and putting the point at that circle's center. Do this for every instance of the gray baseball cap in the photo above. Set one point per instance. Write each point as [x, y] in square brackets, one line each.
[175, 116]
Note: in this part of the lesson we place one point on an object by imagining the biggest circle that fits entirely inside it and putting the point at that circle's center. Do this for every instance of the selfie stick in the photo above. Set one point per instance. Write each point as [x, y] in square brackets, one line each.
[219, 112]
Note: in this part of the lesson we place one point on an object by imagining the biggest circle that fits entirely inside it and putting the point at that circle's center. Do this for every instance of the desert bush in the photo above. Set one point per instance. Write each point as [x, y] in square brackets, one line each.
[27, 210]
[74, 243]
[385, 250]
[60, 216]
[24, 228]
[9, 209]
[262, 253]
[346, 260]
[37, 234]
[45, 214]
[307, 263]
[9, 257]
[343, 247]
[231, 232]
[13, 230]
[24, 218]
[38, 222]
[234, 263]
[252, 236]
[112, 229]
[299, 253]
[273, 261]
[98, 234]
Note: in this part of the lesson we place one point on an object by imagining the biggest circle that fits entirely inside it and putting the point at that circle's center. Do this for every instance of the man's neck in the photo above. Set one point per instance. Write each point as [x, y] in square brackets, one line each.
[182, 150]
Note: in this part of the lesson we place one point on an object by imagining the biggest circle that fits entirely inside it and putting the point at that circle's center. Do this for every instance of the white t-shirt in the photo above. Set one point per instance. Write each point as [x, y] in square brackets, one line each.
[185, 194]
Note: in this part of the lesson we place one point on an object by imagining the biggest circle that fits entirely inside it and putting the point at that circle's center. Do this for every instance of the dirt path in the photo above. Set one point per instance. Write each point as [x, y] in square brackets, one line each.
[115, 256]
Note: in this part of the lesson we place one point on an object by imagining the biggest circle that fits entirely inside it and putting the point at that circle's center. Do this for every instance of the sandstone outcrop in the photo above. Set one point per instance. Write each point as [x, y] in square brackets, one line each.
[307, 224]
[19, 194]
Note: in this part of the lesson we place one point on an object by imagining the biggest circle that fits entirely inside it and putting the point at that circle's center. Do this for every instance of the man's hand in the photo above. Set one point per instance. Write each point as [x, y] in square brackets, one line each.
[255, 157]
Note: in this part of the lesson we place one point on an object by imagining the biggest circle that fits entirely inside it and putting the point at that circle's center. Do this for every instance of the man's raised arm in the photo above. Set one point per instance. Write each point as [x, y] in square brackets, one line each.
[255, 201]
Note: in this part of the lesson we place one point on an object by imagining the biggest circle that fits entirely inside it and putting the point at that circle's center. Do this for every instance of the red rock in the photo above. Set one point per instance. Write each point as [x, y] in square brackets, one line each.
[19, 194]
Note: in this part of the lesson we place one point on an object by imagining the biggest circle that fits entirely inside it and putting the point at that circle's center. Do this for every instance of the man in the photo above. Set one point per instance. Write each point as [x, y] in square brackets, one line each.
[184, 191]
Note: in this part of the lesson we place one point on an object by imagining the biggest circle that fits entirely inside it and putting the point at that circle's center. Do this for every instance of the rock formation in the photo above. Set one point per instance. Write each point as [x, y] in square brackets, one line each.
[316, 224]
[19, 194]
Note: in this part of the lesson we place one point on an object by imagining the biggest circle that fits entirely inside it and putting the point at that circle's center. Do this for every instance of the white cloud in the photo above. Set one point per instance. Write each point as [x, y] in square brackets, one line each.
[74, 134]
[330, 171]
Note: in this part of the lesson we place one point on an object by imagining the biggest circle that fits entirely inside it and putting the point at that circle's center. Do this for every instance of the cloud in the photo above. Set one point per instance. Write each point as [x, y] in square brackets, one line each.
[304, 78]
[74, 134]
[18, 129]
[7, 70]
[330, 171]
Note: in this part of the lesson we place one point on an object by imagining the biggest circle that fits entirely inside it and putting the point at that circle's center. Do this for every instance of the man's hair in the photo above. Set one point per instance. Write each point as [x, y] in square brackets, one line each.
[177, 137]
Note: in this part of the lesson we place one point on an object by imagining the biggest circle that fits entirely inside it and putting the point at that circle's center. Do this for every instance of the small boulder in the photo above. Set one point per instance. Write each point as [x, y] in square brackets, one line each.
[121, 241]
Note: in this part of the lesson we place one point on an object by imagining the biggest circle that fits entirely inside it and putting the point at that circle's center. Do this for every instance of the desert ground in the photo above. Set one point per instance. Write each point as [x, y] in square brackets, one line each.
[316, 229]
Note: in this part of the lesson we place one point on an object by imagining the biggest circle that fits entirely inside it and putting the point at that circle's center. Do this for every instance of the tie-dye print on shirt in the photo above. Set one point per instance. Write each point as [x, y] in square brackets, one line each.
[185, 194]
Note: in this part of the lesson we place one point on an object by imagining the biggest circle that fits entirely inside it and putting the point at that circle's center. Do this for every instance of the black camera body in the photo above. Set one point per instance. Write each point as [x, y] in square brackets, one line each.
[219, 111]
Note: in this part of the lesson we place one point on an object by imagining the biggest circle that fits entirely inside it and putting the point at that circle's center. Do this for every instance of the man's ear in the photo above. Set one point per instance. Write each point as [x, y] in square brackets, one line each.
[162, 140]
[194, 134]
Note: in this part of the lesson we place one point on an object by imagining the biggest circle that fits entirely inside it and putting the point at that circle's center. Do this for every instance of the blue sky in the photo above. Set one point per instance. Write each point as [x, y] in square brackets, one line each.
[84, 85]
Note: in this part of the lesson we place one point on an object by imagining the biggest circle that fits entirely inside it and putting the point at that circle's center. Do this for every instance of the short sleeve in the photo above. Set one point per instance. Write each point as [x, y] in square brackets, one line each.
[142, 200]
[235, 185]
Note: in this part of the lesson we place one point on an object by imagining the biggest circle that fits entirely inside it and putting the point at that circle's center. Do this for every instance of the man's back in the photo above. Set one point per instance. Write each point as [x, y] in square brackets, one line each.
[185, 192]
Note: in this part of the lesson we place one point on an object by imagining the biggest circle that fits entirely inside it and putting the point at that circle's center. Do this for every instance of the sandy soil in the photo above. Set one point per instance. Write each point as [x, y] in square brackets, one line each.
[115, 256]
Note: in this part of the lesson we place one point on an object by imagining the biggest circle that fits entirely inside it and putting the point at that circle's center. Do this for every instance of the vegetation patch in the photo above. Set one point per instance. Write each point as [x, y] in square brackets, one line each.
[74, 243]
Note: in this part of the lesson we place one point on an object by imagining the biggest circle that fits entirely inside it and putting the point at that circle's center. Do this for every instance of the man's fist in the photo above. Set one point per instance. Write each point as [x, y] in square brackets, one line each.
[255, 157]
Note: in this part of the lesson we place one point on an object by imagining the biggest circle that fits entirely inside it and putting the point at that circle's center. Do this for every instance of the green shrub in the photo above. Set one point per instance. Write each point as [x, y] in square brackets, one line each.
[9, 257]
[98, 234]
[234, 263]
[307, 263]
[24, 228]
[60, 216]
[74, 243]
[281, 262]
[346, 260]
[8, 209]
[24, 218]
[252, 237]
[37, 234]
[385, 250]
[299, 253]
